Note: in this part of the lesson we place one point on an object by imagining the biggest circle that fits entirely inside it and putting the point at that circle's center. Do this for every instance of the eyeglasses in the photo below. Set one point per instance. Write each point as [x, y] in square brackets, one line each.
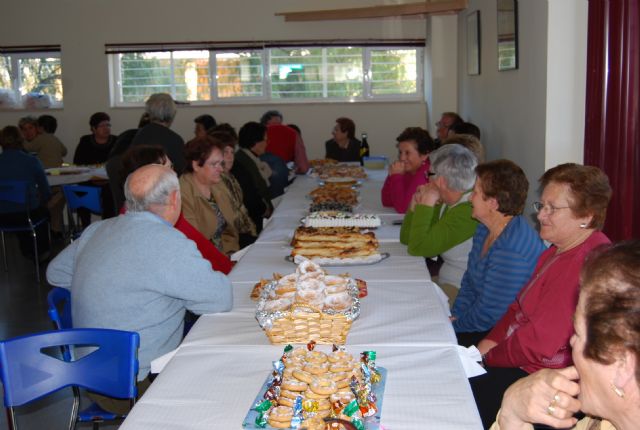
[540, 207]
[215, 164]
[429, 174]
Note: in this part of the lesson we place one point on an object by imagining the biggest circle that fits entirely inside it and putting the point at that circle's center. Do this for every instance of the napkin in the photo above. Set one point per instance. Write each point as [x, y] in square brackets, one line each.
[236, 256]
[469, 357]
[158, 364]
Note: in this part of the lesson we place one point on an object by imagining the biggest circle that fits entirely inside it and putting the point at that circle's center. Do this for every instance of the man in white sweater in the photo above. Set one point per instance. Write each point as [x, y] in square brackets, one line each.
[136, 272]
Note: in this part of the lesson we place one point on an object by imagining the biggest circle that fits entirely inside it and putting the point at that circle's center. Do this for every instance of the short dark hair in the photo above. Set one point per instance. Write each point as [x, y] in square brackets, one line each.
[11, 138]
[465, 128]
[199, 149]
[207, 121]
[422, 138]
[610, 285]
[225, 127]
[225, 139]
[347, 126]
[97, 118]
[270, 114]
[48, 123]
[506, 182]
[141, 155]
[590, 190]
[457, 119]
[250, 134]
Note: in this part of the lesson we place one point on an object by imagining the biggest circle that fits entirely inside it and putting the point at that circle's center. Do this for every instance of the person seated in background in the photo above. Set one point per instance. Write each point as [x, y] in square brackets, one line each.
[141, 155]
[206, 207]
[409, 171]
[504, 253]
[604, 379]
[136, 272]
[252, 173]
[162, 110]
[93, 149]
[343, 146]
[204, 124]
[40, 139]
[50, 151]
[230, 186]
[17, 165]
[113, 165]
[534, 332]
[439, 220]
[447, 120]
[469, 141]
[464, 128]
[289, 147]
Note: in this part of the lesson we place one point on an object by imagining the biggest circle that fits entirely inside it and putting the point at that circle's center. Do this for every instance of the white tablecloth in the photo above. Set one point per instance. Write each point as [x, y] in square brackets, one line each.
[213, 387]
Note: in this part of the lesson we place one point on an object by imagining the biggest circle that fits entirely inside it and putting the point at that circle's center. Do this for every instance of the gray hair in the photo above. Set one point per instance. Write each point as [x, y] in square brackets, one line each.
[161, 108]
[456, 164]
[157, 194]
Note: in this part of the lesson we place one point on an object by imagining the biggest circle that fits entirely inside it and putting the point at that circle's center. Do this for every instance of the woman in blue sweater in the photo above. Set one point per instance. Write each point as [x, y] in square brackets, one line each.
[504, 253]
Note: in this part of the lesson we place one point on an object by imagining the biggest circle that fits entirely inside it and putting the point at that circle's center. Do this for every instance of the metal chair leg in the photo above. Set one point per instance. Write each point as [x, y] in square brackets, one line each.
[4, 253]
[36, 254]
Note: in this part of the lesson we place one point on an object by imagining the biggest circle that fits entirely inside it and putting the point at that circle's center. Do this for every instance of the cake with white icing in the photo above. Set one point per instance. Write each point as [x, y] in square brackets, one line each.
[341, 219]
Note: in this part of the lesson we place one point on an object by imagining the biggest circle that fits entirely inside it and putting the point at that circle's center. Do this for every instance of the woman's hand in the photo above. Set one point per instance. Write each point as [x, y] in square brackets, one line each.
[397, 168]
[427, 195]
[545, 397]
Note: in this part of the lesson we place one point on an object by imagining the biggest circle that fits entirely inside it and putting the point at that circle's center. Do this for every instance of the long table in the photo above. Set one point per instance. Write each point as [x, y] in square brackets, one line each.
[219, 368]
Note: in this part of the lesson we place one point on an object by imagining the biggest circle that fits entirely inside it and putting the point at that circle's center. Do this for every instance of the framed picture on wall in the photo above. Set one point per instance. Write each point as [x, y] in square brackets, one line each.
[507, 34]
[473, 43]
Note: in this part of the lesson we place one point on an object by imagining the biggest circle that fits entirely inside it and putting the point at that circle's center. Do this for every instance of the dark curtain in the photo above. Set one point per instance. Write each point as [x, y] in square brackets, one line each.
[612, 125]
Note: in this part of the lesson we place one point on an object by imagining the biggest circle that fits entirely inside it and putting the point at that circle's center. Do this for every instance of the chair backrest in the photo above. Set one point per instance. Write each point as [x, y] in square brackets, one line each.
[82, 196]
[59, 301]
[28, 373]
[17, 193]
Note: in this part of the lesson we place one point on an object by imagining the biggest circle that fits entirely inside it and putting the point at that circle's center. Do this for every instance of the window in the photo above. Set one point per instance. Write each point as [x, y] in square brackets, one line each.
[30, 79]
[274, 73]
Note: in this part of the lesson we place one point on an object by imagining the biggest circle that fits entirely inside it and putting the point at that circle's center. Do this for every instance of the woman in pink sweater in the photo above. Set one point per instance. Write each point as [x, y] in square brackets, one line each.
[410, 171]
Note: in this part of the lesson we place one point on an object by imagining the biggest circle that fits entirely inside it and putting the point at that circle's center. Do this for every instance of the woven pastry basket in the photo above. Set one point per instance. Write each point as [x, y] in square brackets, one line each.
[305, 323]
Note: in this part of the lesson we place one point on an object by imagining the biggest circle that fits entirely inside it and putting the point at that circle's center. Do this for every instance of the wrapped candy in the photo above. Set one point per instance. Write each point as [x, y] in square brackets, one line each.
[311, 345]
[310, 405]
[262, 408]
[296, 420]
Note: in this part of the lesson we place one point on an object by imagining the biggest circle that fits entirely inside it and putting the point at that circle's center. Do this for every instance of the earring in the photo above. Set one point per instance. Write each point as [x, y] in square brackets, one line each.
[619, 391]
[583, 225]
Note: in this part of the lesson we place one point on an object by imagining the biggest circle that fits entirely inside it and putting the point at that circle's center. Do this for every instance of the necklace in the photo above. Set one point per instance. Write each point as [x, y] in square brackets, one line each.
[577, 241]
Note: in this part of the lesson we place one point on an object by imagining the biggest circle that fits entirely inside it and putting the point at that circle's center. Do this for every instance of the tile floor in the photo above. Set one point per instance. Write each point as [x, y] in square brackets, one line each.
[23, 310]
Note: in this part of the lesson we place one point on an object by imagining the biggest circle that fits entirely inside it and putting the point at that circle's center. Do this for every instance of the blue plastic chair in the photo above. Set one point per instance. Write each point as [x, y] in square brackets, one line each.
[18, 193]
[59, 302]
[81, 196]
[29, 374]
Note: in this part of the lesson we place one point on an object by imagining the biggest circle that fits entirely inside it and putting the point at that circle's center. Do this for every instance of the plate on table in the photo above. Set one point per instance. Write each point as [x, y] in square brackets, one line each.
[371, 423]
[360, 261]
[70, 170]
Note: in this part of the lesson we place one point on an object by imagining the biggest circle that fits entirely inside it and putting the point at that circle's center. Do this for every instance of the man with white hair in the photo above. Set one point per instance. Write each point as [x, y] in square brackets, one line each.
[162, 110]
[136, 272]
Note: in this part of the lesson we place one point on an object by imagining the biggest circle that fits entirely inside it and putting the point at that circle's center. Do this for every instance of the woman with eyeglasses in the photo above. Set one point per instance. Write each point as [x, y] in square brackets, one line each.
[203, 205]
[535, 331]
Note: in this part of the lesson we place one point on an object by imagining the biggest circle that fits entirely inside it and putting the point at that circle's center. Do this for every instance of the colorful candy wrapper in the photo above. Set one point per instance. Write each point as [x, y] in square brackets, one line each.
[311, 345]
[288, 349]
[351, 408]
[261, 419]
[278, 366]
[309, 405]
[296, 420]
[357, 423]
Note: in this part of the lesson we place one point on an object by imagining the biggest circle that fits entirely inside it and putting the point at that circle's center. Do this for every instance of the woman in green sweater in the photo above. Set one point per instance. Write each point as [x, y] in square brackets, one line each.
[439, 220]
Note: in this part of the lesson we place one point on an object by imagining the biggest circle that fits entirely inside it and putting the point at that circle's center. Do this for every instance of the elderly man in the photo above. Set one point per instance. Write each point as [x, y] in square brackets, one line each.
[162, 110]
[138, 273]
[447, 120]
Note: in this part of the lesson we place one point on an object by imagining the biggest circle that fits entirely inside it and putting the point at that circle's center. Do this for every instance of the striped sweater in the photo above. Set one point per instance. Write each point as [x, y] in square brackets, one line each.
[492, 282]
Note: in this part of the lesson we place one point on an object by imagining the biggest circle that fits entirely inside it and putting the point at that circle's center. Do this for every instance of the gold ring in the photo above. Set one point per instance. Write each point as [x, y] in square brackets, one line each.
[550, 409]
[556, 398]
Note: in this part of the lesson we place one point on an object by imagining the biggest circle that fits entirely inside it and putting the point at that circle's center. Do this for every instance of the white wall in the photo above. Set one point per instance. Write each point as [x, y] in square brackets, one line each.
[533, 115]
[83, 28]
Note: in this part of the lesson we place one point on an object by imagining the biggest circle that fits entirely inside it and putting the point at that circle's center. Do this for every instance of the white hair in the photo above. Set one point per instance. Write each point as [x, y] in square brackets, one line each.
[456, 164]
[161, 108]
[157, 194]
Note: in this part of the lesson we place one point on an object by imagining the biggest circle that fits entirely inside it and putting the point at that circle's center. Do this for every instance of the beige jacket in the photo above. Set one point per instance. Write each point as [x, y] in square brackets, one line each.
[197, 210]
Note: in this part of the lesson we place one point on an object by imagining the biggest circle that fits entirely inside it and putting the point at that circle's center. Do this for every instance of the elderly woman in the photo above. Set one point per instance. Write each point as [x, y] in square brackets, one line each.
[534, 333]
[343, 146]
[204, 206]
[230, 186]
[504, 252]
[439, 220]
[604, 381]
[409, 171]
[252, 173]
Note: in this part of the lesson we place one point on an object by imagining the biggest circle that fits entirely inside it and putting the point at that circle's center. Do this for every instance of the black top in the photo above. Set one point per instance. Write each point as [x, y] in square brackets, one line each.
[171, 142]
[350, 153]
[256, 197]
[90, 152]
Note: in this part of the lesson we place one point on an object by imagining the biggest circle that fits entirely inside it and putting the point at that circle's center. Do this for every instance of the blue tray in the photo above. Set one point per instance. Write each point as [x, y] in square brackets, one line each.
[371, 423]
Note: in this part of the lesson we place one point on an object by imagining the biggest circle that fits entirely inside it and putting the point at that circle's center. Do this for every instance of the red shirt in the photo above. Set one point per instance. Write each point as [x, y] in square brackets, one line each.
[281, 141]
[534, 333]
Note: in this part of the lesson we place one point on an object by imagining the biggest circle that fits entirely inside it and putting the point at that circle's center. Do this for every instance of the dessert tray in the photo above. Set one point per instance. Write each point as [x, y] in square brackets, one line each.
[335, 262]
[353, 396]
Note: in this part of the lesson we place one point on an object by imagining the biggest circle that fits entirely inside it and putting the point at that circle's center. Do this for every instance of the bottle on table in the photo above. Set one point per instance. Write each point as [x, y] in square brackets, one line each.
[364, 148]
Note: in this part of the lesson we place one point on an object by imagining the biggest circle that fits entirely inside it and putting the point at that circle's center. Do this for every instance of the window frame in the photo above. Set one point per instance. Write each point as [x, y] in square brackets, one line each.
[264, 49]
[15, 72]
